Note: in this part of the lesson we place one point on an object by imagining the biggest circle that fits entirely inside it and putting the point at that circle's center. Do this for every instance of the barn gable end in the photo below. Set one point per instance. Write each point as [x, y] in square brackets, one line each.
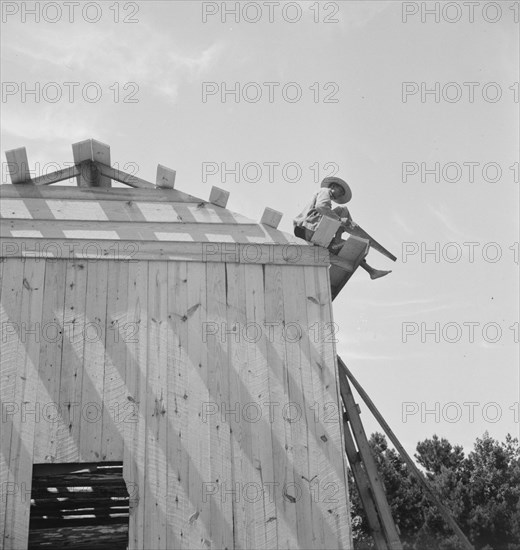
[146, 326]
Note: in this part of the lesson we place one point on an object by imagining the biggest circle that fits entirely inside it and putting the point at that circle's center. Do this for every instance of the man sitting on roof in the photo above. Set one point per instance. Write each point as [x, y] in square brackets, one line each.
[305, 224]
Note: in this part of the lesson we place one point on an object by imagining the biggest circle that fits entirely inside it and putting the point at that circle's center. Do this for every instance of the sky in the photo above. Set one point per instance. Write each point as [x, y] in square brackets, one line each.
[415, 104]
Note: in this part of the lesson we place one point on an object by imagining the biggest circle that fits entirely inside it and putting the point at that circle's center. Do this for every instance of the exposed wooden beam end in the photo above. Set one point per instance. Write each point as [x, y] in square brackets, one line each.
[100, 152]
[165, 177]
[271, 217]
[18, 165]
[218, 196]
[82, 151]
[86, 153]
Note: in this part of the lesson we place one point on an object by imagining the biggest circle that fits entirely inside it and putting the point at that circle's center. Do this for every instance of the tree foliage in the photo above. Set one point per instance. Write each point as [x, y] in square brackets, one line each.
[482, 490]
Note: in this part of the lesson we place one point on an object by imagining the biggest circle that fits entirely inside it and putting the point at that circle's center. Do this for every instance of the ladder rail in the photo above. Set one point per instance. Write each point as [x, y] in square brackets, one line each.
[430, 492]
[376, 484]
[362, 484]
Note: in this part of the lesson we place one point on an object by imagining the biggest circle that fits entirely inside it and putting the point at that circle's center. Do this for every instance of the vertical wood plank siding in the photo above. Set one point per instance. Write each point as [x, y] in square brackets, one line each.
[214, 383]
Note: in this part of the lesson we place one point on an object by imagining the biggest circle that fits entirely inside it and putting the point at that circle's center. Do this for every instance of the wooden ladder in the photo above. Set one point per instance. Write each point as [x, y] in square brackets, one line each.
[370, 486]
[363, 466]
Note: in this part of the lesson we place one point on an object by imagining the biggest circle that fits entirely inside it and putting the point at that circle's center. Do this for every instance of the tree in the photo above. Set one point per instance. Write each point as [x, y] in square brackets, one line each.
[482, 491]
[494, 482]
[435, 453]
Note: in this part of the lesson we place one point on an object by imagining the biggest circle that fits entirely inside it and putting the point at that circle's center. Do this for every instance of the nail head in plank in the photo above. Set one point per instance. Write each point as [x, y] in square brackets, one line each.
[219, 196]
[165, 177]
[271, 217]
[18, 165]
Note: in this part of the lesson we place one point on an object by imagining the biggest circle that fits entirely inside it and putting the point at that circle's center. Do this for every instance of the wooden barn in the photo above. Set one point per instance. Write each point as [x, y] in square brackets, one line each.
[168, 369]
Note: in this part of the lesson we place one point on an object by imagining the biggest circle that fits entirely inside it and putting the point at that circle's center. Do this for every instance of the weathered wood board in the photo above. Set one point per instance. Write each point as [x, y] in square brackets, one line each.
[199, 358]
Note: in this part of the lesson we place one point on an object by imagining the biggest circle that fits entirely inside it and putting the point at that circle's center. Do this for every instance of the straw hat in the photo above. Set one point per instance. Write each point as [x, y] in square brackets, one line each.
[348, 193]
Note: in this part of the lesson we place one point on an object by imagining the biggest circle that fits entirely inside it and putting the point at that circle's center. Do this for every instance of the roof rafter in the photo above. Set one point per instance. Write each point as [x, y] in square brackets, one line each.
[92, 169]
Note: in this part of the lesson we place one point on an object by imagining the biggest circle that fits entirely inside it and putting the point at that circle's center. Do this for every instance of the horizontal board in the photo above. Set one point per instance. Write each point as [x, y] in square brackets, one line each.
[112, 537]
[144, 231]
[63, 502]
[57, 523]
[124, 211]
[107, 482]
[71, 499]
[132, 215]
[252, 253]
[69, 192]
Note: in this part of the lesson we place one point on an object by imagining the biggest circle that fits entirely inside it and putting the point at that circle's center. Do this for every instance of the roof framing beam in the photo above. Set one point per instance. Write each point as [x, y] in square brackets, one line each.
[91, 169]
[122, 177]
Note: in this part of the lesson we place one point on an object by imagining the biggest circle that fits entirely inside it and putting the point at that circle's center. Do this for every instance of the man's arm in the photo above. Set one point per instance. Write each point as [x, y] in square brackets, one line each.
[345, 217]
[324, 204]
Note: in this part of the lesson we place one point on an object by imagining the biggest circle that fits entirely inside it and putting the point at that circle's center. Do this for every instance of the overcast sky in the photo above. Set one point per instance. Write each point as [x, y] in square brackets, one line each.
[377, 92]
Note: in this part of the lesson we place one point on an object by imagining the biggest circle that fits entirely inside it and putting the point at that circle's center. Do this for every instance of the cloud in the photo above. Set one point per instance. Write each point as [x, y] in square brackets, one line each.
[366, 356]
[359, 14]
[113, 60]
[45, 124]
[400, 303]
[157, 64]
[400, 221]
[452, 230]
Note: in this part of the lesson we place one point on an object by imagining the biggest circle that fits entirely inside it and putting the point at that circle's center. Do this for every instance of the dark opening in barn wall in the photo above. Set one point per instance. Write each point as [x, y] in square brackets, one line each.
[79, 506]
